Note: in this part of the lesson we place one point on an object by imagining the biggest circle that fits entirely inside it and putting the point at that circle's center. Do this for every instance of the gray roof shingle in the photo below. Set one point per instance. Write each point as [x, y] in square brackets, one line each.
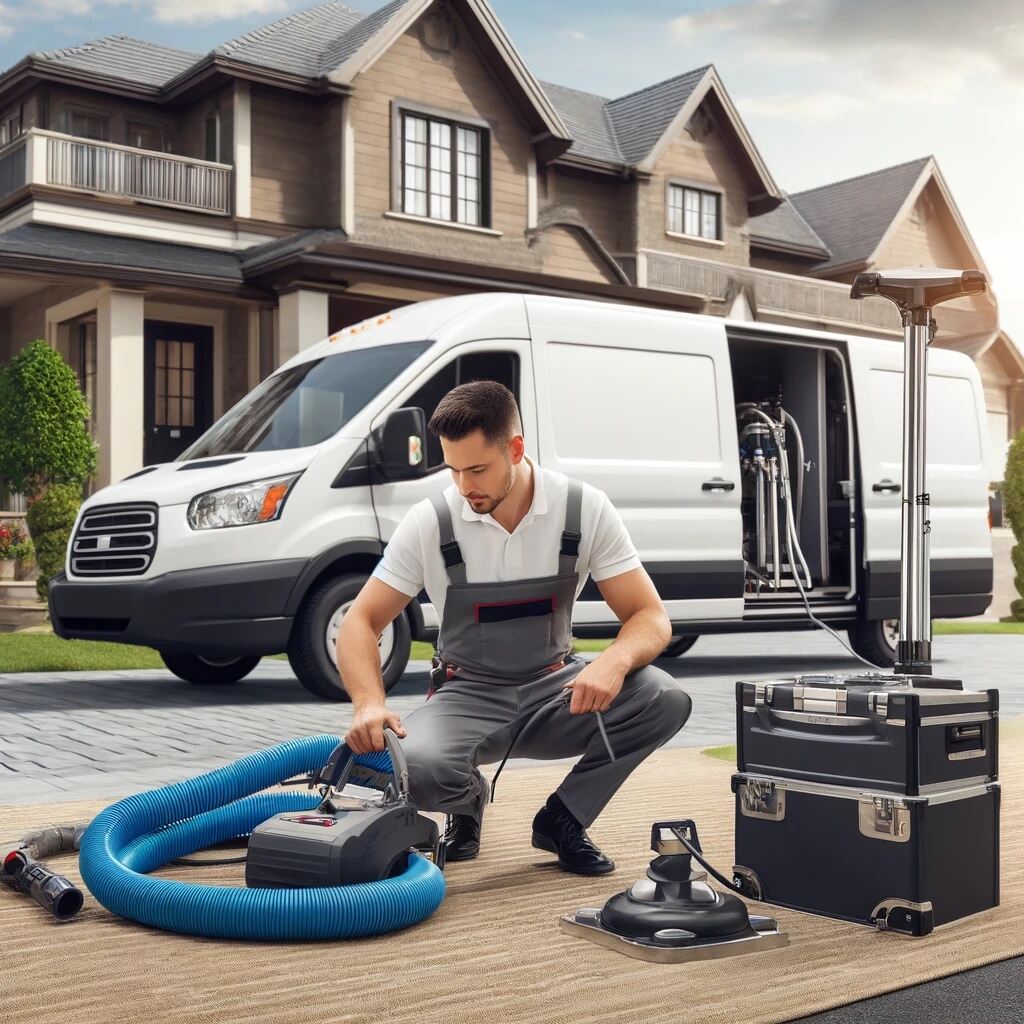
[294, 44]
[586, 117]
[120, 56]
[640, 118]
[785, 224]
[47, 242]
[852, 215]
[344, 46]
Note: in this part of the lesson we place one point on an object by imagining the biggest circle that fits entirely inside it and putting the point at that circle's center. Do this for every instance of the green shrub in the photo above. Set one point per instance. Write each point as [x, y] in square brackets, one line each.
[43, 439]
[1013, 505]
[50, 519]
[46, 452]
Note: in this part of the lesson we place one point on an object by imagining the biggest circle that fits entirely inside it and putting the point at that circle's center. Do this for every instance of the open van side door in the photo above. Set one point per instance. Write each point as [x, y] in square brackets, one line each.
[639, 403]
[960, 546]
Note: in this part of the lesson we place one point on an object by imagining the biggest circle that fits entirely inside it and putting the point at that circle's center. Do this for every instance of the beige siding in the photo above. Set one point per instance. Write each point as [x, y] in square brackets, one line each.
[331, 120]
[459, 83]
[926, 235]
[28, 315]
[287, 158]
[567, 255]
[607, 204]
[698, 158]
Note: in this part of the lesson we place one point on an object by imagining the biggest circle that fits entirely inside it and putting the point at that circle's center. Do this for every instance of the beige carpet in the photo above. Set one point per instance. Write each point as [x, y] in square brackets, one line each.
[493, 952]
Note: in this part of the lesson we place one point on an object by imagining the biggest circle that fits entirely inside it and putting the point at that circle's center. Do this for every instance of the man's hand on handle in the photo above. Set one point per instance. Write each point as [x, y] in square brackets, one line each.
[368, 723]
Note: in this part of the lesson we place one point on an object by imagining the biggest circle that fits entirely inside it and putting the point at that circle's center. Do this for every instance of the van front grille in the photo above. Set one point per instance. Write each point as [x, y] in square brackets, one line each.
[115, 540]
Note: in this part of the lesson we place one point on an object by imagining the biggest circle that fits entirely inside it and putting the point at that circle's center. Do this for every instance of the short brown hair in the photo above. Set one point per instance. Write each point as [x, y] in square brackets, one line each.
[479, 405]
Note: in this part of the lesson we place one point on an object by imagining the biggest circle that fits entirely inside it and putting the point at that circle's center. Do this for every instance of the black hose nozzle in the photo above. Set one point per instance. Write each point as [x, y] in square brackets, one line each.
[53, 892]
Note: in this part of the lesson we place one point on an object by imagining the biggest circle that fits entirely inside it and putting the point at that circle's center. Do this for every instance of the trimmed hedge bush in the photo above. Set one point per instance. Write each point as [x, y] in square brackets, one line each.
[1013, 505]
[50, 519]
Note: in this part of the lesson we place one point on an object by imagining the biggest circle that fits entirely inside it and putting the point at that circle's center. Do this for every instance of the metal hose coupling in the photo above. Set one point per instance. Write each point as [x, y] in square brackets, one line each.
[53, 892]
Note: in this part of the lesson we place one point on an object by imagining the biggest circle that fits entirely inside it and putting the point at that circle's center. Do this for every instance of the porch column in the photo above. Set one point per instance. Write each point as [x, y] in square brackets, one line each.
[119, 384]
[301, 321]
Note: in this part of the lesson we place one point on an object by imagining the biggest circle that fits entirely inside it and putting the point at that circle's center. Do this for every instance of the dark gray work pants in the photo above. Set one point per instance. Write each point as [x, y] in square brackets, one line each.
[467, 723]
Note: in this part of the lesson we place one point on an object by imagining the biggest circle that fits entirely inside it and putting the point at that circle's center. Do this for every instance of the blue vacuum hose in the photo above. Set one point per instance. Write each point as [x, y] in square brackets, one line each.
[143, 832]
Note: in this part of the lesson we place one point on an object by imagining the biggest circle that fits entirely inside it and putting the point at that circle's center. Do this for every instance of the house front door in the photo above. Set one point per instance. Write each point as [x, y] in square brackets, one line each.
[178, 399]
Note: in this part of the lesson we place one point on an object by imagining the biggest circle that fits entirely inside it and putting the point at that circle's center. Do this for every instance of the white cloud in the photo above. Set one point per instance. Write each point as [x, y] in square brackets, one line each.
[6, 14]
[573, 34]
[914, 49]
[196, 11]
[809, 106]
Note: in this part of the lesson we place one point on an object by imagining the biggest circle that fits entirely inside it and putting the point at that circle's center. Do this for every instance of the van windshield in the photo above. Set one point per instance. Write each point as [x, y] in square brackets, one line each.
[305, 404]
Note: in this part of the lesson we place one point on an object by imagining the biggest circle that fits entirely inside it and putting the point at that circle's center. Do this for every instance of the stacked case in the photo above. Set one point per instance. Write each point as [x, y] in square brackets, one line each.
[869, 797]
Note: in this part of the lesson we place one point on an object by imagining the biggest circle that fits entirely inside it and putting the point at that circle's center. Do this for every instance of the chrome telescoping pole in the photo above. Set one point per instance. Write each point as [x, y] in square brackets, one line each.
[915, 291]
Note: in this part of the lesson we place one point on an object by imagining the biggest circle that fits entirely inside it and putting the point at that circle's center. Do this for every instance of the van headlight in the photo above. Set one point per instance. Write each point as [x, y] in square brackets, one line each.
[258, 502]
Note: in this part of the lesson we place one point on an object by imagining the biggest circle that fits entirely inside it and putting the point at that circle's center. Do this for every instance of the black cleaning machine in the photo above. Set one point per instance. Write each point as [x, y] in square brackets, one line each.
[874, 797]
[346, 839]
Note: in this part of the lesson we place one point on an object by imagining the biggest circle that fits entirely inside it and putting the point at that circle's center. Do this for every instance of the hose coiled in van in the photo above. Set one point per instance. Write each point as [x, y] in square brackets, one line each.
[140, 833]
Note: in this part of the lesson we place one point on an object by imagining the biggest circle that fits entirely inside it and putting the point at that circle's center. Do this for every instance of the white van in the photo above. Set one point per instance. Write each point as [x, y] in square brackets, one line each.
[257, 538]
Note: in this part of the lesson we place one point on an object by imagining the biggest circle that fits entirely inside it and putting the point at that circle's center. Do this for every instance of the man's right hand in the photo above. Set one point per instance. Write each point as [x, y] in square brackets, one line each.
[368, 724]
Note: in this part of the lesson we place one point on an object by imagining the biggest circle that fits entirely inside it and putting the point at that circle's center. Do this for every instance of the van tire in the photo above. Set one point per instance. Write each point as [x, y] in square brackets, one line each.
[195, 668]
[874, 640]
[679, 644]
[307, 648]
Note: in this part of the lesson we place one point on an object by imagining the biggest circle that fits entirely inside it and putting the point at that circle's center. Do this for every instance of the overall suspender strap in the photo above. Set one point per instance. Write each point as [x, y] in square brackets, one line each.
[450, 550]
[571, 534]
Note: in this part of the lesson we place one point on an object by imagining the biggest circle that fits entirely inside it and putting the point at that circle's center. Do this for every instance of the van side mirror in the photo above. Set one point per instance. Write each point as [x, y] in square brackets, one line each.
[402, 449]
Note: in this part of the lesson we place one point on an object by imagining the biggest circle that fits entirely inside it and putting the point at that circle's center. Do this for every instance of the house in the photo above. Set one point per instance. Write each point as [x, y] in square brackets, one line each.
[179, 224]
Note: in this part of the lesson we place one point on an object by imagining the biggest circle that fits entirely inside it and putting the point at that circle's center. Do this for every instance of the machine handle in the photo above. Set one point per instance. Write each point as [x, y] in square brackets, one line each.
[886, 486]
[339, 766]
[716, 483]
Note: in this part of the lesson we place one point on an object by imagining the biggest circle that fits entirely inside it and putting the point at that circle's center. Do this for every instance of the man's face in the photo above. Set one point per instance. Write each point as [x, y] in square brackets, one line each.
[482, 472]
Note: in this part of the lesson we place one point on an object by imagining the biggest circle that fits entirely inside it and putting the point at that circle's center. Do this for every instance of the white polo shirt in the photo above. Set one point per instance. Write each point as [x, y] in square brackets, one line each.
[412, 559]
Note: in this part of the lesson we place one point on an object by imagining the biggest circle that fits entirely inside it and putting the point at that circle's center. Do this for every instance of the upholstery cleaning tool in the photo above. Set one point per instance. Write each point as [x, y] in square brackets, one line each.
[673, 915]
[139, 834]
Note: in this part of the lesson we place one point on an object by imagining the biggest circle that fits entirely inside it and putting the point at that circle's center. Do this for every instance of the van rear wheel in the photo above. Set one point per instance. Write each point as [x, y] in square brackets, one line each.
[204, 669]
[313, 645]
[679, 644]
[876, 640]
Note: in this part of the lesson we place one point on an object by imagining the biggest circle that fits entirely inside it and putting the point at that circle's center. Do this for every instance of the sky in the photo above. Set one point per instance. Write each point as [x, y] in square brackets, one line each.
[828, 89]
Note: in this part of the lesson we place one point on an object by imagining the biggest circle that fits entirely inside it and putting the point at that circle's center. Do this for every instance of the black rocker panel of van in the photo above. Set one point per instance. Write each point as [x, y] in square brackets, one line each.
[687, 581]
[959, 587]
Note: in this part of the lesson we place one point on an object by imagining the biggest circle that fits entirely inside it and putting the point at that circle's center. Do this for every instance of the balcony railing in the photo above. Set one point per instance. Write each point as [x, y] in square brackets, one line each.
[85, 165]
[785, 295]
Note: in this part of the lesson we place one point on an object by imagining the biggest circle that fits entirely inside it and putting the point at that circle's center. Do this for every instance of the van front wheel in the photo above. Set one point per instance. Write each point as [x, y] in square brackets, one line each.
[313, 646]
[196, 668]
[876, 640]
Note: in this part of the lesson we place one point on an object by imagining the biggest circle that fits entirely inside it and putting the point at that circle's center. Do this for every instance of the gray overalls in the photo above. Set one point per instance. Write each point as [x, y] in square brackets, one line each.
[504, 652]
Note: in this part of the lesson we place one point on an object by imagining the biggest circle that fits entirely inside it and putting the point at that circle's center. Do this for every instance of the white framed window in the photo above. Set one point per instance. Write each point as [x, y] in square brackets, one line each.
[10, 125]
[444, 169]
[85, 124]
[142, 135]
[694, 211]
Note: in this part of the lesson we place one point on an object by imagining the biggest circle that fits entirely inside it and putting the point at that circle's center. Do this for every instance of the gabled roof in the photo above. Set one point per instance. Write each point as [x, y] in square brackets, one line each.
[784, 229]
[853, 216]
[122, 57]
[633, 130]
[641, 118]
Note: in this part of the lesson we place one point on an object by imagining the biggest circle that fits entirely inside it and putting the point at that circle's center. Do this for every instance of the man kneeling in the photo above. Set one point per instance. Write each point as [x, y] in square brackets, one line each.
[503, 553]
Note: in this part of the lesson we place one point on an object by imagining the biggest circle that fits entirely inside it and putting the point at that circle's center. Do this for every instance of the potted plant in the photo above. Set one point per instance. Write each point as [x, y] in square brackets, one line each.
[12, 538]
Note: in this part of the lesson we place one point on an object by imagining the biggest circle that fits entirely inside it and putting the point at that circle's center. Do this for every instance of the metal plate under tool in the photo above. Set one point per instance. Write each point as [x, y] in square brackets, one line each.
[586, 924]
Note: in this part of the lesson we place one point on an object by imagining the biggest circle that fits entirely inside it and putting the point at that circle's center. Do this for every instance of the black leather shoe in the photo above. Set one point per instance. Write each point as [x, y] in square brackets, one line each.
[461, 837]
[555, 829]
[462, 831]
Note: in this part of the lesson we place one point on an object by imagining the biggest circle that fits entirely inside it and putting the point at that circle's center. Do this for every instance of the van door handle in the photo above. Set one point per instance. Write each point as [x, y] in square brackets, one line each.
[887, 486]
[716, 483]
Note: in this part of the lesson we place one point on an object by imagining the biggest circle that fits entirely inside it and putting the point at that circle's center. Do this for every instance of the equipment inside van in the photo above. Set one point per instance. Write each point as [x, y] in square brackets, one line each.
[756, 467]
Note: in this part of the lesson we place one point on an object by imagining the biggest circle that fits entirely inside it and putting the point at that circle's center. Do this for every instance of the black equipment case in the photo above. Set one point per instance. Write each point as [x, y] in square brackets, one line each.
[902, 863]
[869, 797]
[898, 734]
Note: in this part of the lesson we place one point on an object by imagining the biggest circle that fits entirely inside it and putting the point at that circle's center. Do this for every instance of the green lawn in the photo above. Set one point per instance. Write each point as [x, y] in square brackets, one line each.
[41, 651]
[722, 753]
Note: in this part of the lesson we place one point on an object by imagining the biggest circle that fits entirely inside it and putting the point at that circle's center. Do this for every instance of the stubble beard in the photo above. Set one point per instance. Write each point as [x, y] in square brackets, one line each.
[505, 492]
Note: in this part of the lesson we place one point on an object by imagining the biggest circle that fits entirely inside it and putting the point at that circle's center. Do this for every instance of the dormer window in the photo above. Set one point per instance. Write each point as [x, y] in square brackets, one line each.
[694, 211]
[444, 168]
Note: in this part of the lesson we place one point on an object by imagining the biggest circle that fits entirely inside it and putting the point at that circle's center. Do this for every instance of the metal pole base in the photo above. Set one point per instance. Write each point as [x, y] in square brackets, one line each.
[913, 658]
